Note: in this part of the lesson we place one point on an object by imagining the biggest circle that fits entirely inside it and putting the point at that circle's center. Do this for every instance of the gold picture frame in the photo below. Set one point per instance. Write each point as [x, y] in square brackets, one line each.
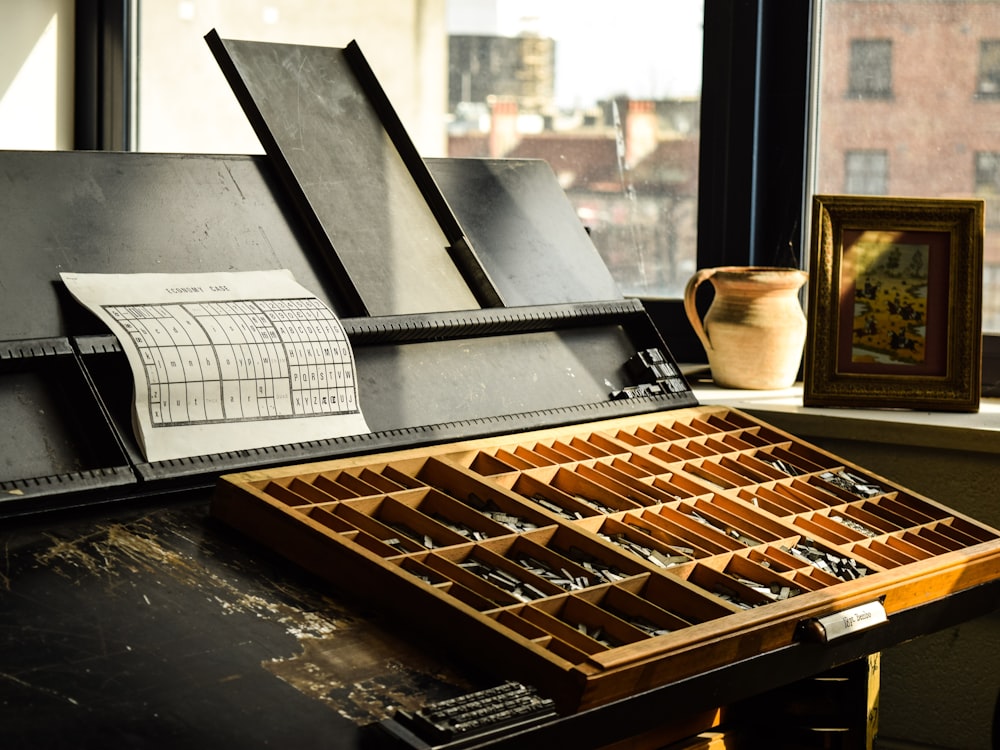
[895, 303]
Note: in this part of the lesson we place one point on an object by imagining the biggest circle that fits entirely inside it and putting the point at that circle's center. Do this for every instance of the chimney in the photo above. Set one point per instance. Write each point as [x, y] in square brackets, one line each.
[503, 126]
[641, 130]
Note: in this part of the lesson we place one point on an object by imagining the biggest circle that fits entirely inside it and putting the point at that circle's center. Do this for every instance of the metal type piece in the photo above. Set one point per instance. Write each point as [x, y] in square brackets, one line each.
[459, 528]
[653, 373]
[780, 465]
[637, 391]
[729, 531]
[724, 592]
[598, 634]
[774, 591]
[598, 506]
[645, 553]
[641, 623]
[852, 483]
[490, 509]
[651, 365]
[845, 568]
[422, 539]
[560, 578]
[598, 568]
[858, 527]
[478, 714]
[517, 588]
[558, 509]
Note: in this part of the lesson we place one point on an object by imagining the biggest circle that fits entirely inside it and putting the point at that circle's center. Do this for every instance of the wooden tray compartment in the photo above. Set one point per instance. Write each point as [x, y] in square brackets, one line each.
[733, 519]
[425, 518]
[585, 627]
[736, 505]
[779, 557]
[454, 581]
[639, 542]
[676, 531]
[729, 588]
[767, 575]
[625, 602]
[606, 617]
[565, 492]
[488, 570]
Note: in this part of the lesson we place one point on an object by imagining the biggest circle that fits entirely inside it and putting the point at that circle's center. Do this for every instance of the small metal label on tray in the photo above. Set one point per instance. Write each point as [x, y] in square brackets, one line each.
[853, 620]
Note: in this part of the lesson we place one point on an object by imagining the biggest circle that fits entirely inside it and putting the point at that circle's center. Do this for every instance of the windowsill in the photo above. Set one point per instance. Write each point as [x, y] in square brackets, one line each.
[870, 96]
[978, 432]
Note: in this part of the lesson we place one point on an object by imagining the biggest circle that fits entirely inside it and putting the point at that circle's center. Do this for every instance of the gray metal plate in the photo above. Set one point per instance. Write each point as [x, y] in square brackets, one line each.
[346, 175]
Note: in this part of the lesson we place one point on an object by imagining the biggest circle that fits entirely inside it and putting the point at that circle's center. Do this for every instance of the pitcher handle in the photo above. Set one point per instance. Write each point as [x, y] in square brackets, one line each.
[689, 307]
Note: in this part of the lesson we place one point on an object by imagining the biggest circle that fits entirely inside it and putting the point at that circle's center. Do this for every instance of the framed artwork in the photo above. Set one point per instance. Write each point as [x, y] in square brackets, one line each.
[895, 303]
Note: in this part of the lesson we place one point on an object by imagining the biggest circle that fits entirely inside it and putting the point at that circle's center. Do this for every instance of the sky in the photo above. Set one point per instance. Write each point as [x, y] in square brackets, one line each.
[642, 48]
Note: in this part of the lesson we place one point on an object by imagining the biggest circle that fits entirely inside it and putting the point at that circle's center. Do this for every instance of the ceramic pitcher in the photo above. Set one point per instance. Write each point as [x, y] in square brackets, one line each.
[755, 329]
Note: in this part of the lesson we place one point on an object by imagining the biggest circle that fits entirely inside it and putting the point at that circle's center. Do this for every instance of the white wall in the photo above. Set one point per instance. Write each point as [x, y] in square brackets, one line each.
[185, 104]
[36, 74]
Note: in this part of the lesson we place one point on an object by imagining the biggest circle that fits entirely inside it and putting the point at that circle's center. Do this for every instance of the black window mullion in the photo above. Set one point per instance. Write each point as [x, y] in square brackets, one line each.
[755, 96]
[101, 84]
[752, 168]
[728, 130]
[783, 126]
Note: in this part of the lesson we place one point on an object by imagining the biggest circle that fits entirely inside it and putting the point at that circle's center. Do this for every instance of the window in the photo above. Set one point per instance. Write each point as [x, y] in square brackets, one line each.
[866, 172]
[933, 138]
[988, 185]
[623, 143]
[871, 69]
[509, 78]
[185, 105]
[988, 83]
[988, 173]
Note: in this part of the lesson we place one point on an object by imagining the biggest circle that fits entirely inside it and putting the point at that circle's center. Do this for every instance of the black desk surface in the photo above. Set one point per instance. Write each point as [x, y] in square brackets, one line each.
[156, 626]
[160, 628]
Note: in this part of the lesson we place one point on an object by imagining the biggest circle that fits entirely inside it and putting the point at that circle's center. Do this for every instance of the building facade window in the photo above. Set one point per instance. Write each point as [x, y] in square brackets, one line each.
[871, 69]
[988, 173]
[988, 81]
[933, 137]
[866, 172]
[988, 184]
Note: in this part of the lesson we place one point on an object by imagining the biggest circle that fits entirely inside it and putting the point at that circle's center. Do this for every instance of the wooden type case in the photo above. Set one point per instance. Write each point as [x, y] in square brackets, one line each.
[600, 560]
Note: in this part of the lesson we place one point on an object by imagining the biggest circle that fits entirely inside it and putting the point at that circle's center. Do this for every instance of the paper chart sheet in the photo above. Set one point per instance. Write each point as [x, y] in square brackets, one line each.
[227, 361]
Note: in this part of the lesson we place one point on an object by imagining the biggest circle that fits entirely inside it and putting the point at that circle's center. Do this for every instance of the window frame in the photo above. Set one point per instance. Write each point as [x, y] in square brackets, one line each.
[104, 86]
[753, 168]
[758, 80]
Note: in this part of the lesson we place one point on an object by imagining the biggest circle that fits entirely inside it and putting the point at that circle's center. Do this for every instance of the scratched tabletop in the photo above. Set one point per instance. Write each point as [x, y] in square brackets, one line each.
[158, 627]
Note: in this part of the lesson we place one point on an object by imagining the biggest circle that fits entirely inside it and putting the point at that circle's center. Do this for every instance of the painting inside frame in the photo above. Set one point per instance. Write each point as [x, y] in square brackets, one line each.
[894, 301]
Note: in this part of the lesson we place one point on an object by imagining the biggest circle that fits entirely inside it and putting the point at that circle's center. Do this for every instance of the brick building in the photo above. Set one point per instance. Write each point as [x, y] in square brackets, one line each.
[631, 175]
[910, 106]
[521, 68]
